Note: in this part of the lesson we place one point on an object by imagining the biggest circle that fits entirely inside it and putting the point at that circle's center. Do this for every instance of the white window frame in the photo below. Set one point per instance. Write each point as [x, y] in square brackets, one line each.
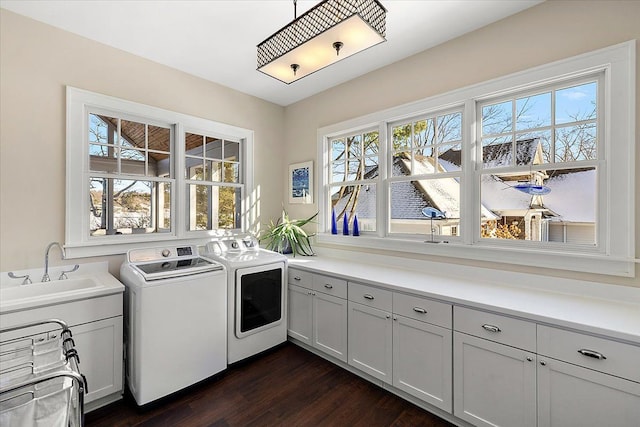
[615, 254]
[78, 242]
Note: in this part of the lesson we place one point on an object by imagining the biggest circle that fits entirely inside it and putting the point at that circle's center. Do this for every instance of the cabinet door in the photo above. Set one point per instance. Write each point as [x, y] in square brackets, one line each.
[370, 341]
[570, 395]
[330, 325]
[422, 361]
[99, 346]
[300, 314]
[494, 384]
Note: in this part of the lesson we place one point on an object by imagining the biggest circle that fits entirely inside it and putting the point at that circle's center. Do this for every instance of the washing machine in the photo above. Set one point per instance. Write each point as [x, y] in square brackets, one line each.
[175, 320]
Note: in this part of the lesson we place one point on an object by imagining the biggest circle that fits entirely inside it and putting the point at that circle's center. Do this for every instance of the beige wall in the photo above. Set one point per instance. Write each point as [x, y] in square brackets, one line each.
[37, 61]
[550, 31]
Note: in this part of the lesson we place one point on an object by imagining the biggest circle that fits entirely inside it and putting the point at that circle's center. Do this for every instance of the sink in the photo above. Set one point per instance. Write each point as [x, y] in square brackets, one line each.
[95, 281]
[44, 289]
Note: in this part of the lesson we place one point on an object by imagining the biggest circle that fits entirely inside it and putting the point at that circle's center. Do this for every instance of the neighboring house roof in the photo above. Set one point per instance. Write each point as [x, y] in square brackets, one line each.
[528, 152]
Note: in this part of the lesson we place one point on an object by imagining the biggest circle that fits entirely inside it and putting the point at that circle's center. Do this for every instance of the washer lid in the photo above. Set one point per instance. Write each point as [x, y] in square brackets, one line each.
[165, 269]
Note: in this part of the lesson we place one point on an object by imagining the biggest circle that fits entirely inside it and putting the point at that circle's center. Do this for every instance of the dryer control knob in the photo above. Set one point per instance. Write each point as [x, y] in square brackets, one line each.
[166, 252]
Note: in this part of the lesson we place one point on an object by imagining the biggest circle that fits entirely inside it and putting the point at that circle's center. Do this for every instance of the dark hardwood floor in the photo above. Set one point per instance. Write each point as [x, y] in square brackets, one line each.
[285, 387]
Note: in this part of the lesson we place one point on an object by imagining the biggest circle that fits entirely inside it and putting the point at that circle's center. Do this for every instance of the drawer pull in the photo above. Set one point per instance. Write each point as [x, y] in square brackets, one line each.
[491, 328]
[368, 296]
[297, 278]
[328, 286]
[419, 310]
[591, 353]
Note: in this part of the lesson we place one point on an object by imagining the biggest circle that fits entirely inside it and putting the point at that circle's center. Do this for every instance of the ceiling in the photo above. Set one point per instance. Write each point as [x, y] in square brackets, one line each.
[216, 40]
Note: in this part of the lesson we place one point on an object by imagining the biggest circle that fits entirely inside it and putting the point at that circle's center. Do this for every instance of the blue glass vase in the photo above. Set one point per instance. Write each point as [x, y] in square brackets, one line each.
[345, 224]
[334, 225]
[356, 227]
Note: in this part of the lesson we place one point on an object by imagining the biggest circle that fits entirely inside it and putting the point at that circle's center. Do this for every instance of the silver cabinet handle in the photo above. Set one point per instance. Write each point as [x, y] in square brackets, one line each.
[328, 286]
[419, 310]
[591, 353]
[543, 363]
[368, 296]
[297, 278]
[388, 316]
[529, 359]
[491, 328]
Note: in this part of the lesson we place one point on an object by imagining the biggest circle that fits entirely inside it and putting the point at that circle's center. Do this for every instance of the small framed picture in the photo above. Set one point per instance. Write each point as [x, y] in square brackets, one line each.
[301, 182]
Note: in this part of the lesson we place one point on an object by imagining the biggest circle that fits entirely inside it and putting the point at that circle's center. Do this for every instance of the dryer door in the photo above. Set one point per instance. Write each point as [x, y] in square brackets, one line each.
[260, 298]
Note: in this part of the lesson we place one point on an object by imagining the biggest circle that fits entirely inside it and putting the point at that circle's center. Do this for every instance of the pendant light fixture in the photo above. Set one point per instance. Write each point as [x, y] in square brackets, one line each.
[330, 31]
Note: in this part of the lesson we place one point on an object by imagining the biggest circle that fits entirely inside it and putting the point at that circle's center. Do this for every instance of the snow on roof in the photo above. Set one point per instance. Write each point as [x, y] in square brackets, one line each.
[573, 196]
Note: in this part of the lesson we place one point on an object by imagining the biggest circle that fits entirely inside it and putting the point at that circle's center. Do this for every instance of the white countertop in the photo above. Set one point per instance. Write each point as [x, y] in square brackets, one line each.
[609, 310]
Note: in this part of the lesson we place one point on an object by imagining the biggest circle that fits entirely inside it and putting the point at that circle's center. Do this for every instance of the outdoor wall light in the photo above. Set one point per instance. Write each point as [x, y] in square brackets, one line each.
[330, 31]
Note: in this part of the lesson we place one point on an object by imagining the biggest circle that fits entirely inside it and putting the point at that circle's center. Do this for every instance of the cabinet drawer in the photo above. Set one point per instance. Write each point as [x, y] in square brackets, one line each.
[495, 327]
[330, 285]
[300, 278]
[373, 297]
[425, 310]
[600, 354]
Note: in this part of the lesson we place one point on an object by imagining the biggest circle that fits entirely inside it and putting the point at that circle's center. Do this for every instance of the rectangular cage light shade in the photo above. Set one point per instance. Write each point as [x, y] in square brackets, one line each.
[308, 41]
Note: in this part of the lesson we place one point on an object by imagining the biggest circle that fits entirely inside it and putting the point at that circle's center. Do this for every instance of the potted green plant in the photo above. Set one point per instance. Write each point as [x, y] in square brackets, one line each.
[287, 236]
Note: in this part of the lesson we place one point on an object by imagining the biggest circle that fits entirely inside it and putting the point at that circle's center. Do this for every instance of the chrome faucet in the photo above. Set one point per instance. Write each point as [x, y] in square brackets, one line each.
[45, 277]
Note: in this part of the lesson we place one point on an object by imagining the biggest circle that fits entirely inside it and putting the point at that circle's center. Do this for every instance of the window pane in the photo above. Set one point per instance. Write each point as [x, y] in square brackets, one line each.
[354, 144]
[98, 128]
[497, 152]
[497, 118]
[355, 200]
[401, 164]
[371, 142]
[546, 206]
[213, 148]
[450, 127]
[337, 149]
[338, 172]
[231, 151]
[414, 203]
[138, 206]
[133, 134]
[193, 144]
[371, 169]
[576, 103]
[159, 138]
[102, 158]
[423, 133]
[449, 158]
[543, 149]
[231, 172]
[401, 138]
[576, 143]
[211, 207]
[533, 111]
[213, 170]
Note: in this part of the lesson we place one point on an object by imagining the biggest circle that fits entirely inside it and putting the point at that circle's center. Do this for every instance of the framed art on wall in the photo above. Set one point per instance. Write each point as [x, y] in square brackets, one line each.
[301, 182]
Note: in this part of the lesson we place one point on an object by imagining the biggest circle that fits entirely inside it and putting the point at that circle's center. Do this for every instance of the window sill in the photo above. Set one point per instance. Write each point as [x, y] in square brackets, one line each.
[560, 260]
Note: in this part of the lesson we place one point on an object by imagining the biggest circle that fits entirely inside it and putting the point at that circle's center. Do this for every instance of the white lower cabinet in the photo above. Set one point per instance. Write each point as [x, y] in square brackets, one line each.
[494, 384]
[422, 361]
[573, 396]
[370, 340]
[318, 318]
[99, 345]
[300, 313]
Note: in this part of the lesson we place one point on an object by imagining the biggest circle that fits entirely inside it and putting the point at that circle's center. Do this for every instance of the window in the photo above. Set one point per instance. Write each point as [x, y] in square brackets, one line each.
[539, 173]
[137, 174]
[354, 176]
[534, 168]
[130, 176]
[426, 167]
